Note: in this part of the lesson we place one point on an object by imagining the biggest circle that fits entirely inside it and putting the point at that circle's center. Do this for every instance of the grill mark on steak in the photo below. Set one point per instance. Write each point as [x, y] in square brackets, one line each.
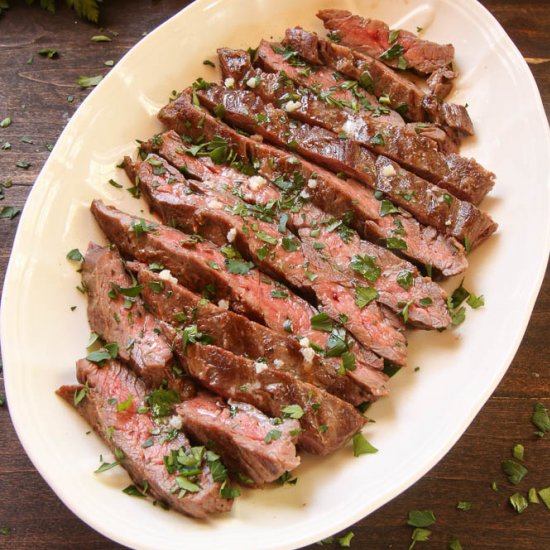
[271, 391]
[465, 178]
[241, 336]
[371, 36]
[332, 194]
[420, 107]
[425, 201]
[129, 430]
[237, 432]
[322, 79]
[168, 195]
[117, 319]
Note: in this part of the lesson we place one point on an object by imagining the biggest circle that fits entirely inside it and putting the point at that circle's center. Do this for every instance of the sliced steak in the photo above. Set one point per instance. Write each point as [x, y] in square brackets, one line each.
[403, 94]
[176, 305]
[238, 433]
[327, 422]
[121, 318]
[213, 216]
[463, 177]
[462, 220]
[340, 242]
[398, 49]
[198, 265]
[332, 194]
[131, 432]
[273, 57]
[336, 88]
[427, 202]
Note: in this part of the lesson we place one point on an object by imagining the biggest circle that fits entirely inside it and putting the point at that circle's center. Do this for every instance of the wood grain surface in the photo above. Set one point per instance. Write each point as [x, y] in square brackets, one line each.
[36, 95]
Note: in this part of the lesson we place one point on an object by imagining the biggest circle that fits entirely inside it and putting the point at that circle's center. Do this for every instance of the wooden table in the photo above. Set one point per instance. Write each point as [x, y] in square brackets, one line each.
[37, 96]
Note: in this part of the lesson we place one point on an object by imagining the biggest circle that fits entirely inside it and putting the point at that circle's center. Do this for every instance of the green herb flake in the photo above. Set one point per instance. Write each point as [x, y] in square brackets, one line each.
[125, 405]
[378, 139]
[293, 411]
[544, 494]
[419, 535]
[539, 418]
[101, 38]
[80, 394]
[421, 518]
[115, 184]
[287, 478]
[387, 207]
[9, 212]
[464, 505]
[133, 491]
[426, 301]
[454, 543]
[238, 267]
[366, 266]
[229, 492]
[393, 36]
[394, 51]
[322, 322]
[345, 541]
[272, 435]
[532, 496]
[50, 53]
[6, 122]
[405, 280]
[365, 295]
[279, 293]
[109, 63]
[89, 81]
[518, 451]
[104, 466]
[475, 301]
[519, 502]
[396, 244]
[5, 530]
[514, 471]
[75, 255]
[361, 446]
[23, 164]
[348, 361]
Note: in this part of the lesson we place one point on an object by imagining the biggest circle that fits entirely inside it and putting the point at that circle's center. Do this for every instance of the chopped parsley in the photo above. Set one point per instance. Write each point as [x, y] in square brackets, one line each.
[405, 280]
[50, 53]
[75, 255]
[365, 295]
[519, 502]
[9, 212]
[161, 401]
[293, 411]
[387, 207]
[361, 446]
[421, 518]
[366, 266]
[279, 293]
[540, 419]
[419, 535]
[238, 267]
[464, 506]
[518, 451]
[272, 435]
[322, 321]
[5, 122]
[89, 81]
[514, 471]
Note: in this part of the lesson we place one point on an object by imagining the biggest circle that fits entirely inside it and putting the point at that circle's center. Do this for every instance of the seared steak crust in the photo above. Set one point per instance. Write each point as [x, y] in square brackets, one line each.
[427, 202]
[463, 177]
